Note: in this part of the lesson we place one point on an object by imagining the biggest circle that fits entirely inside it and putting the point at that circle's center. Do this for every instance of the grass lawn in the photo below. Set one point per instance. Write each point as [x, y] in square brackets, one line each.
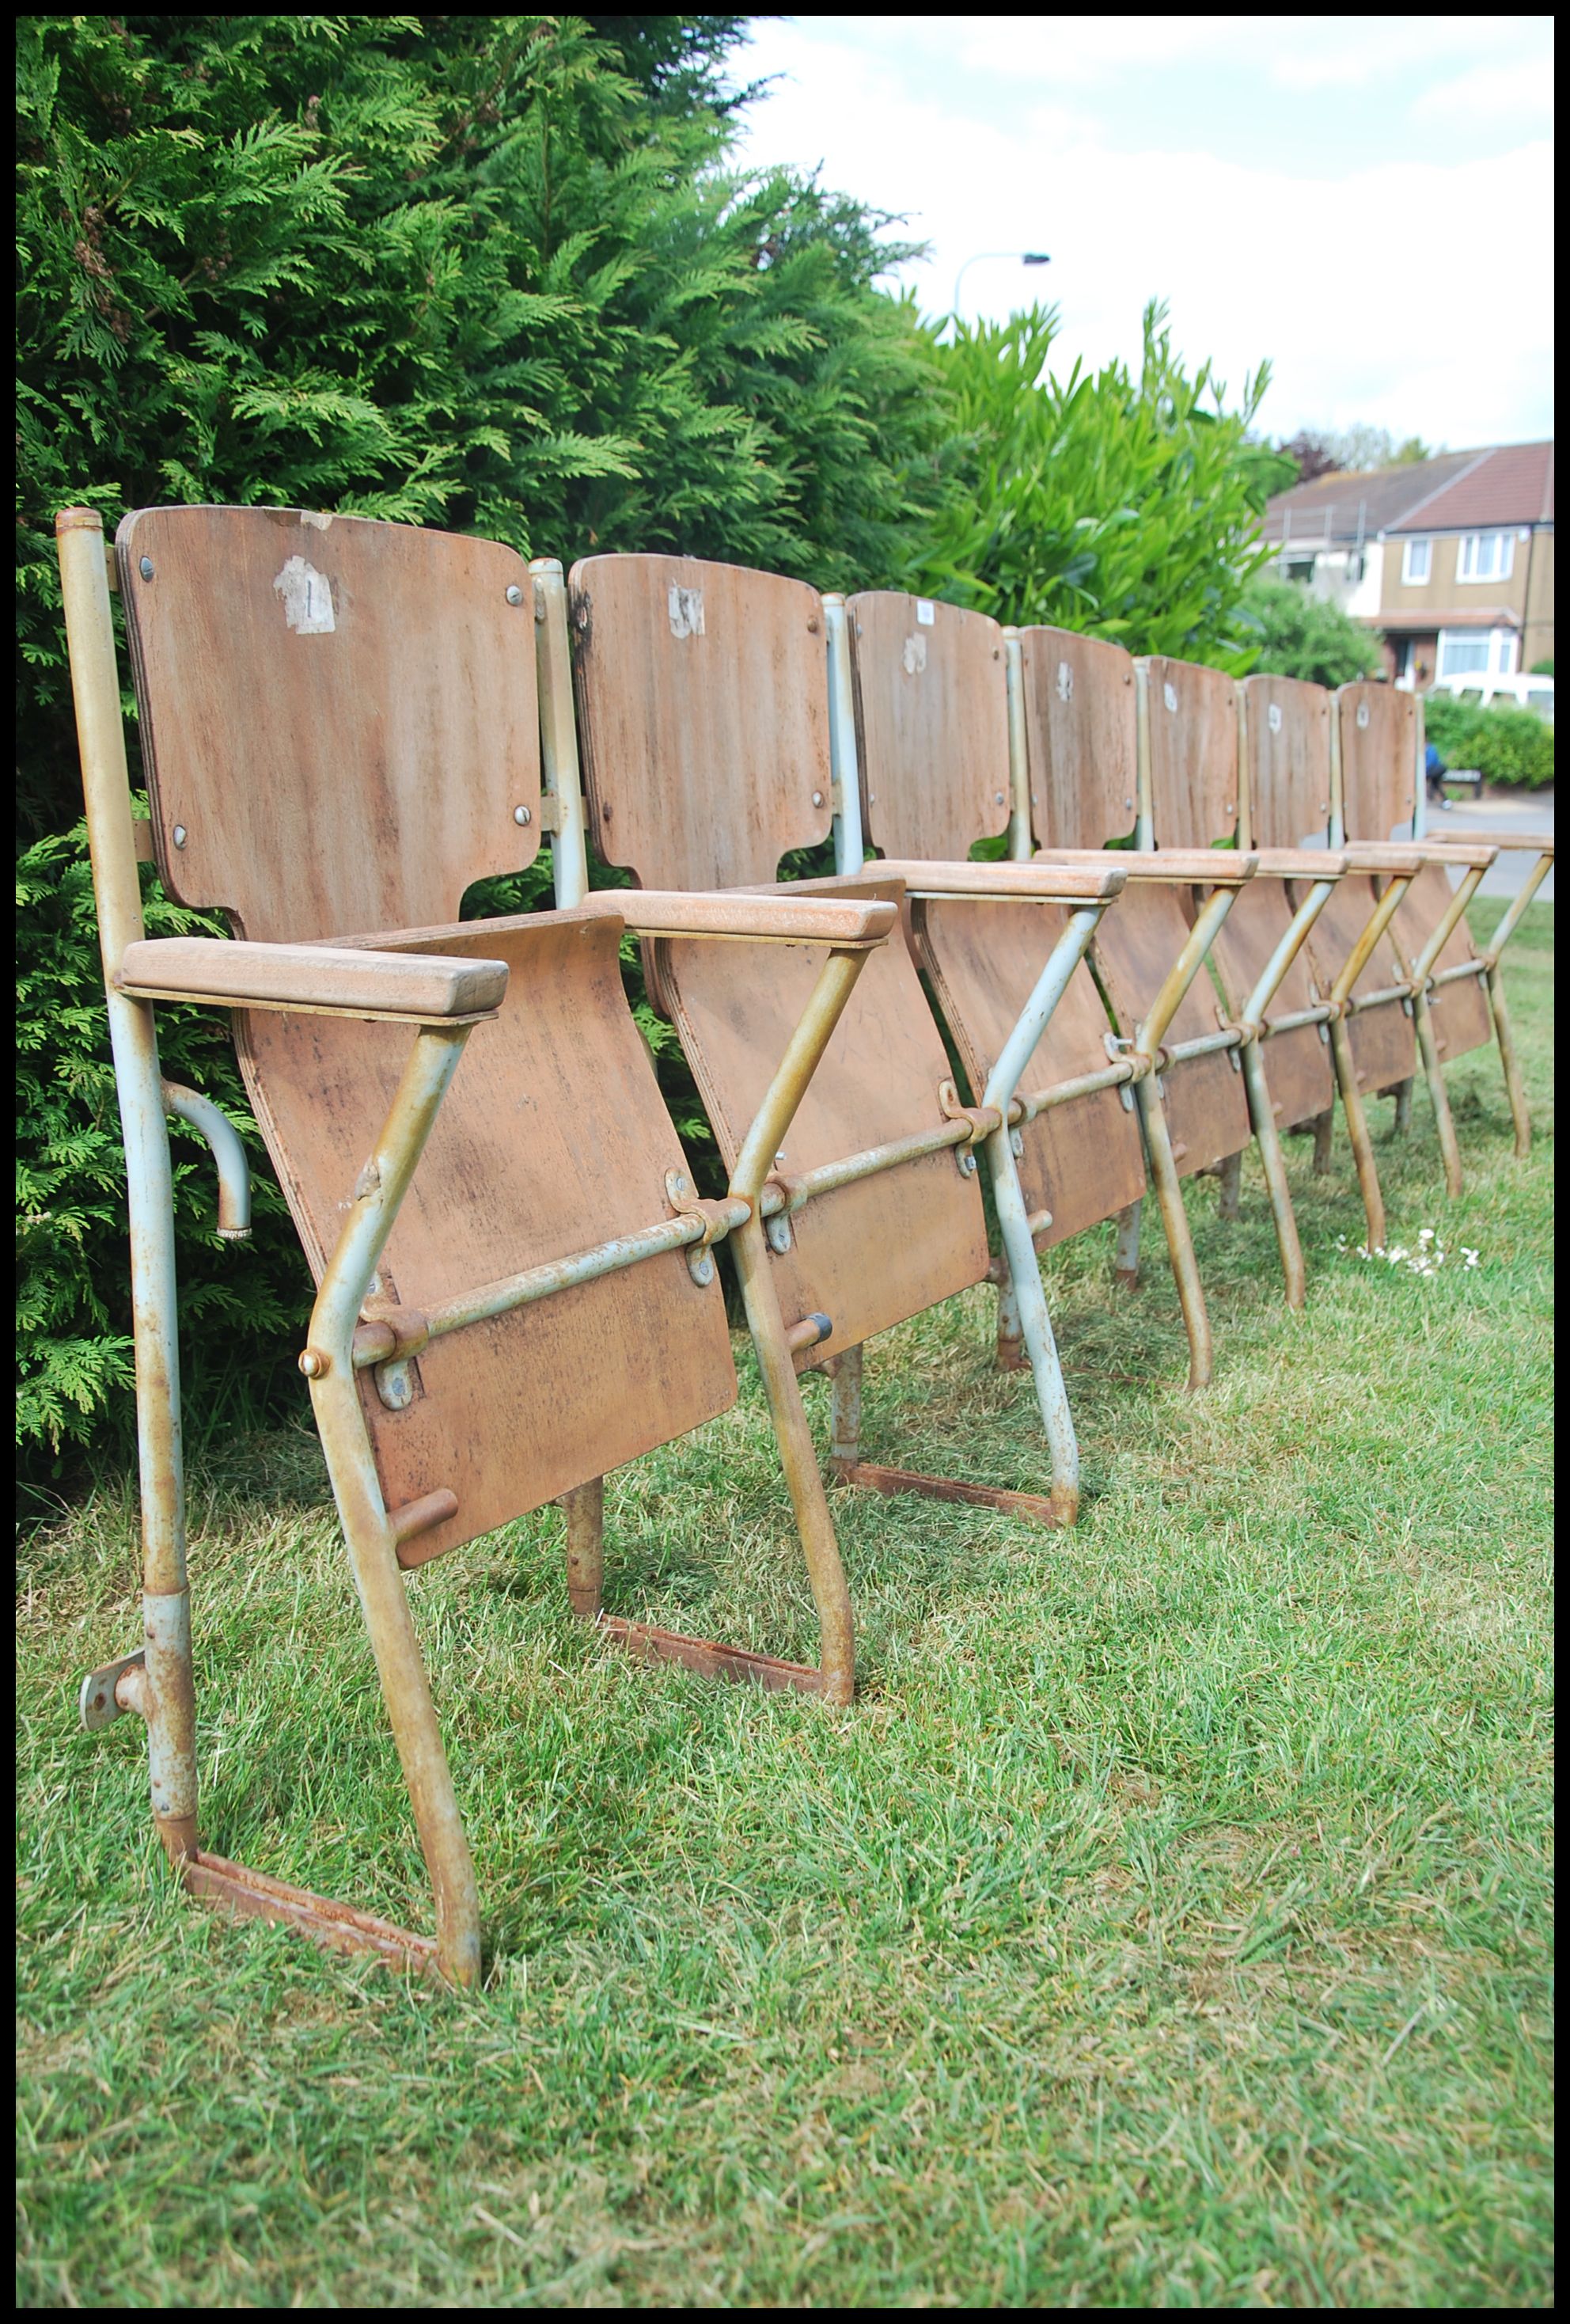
[1167, 1924]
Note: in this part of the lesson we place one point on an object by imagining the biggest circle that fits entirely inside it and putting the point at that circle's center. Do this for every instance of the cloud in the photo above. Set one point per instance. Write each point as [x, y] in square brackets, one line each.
[1521, 94]
[1358, 287]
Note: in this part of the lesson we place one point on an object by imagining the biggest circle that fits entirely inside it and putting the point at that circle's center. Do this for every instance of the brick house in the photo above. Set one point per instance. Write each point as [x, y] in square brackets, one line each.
[1451, 560]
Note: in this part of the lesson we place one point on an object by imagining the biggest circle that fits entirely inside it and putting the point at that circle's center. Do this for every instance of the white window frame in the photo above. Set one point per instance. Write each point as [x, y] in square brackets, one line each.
[1410, 578]
[1499, 647]
[1468, 549]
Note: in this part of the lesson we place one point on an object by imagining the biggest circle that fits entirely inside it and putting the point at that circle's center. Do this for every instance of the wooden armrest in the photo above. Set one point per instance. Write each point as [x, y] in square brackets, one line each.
[324, 980]
[1046, 879]
[1540, 843]
[1301, 863]
[737, 912]
[1380, 855]
[1217, 867]
[1474, 854]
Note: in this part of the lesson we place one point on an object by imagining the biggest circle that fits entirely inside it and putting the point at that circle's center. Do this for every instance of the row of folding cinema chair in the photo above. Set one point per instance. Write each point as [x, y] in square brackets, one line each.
[346, 724]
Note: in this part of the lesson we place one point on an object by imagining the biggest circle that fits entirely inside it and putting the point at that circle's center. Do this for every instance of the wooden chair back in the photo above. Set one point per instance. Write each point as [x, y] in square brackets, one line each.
[702, 717]
[931, 726]
[1192, 724]
[1286, 730]
[1377, 733]
[339, 722]
[1082, 738]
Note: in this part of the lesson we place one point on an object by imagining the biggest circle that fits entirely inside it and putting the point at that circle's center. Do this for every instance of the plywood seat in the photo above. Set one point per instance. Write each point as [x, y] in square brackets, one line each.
[552, 1138]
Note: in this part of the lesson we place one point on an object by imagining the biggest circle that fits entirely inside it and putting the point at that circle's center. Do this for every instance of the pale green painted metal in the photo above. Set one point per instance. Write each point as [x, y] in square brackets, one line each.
[1013, 1218]
[849, 845]
[559, 732]
[328, 1363]
[1147, 1040]
[168, 1700]
[1114, 1077]
[228, 1153]
[1019, 808]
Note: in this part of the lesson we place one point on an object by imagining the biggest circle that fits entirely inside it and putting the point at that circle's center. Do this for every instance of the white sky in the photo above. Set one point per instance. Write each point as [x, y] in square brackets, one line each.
[1366, 201]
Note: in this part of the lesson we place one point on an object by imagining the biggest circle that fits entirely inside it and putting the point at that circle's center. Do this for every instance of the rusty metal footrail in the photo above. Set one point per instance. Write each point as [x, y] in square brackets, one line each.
[235, 1889]
[710, 1657]
[1036, 1508]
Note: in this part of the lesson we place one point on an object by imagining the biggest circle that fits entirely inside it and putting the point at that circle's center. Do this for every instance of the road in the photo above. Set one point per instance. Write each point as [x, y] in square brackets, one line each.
[1522, 811]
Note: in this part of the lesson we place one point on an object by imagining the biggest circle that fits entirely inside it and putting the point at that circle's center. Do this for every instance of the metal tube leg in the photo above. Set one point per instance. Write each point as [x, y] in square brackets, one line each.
[1175, 1219]
[799, 1458]
[1402, 1123]
[400, 1668]
[1036, 1327]
[1504, 1034]
[1264, 1115]
[1231, 1176]
[168, 1699]
[1125, 1261]
[1323, 1134]
[585, 1510]
[328, 1364]
[1357, 1131]
[845, 1405]
[1433, 1074]
[1011, 1356]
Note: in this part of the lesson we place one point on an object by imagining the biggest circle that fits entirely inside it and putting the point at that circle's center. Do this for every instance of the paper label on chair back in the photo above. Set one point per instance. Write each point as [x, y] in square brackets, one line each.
[308, 598]
[1378, 735]
[932, 724]
[338, 717]
[703, 697]
[1193, 753]
[1288, 772]
[1080, 748]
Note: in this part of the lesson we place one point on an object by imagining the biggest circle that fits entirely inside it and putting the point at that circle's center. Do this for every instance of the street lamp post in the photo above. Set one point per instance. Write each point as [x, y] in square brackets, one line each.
[1025, 258]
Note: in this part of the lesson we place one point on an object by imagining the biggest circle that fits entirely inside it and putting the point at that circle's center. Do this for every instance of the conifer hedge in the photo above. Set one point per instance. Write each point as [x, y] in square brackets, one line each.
[491, 274]
[482, 272]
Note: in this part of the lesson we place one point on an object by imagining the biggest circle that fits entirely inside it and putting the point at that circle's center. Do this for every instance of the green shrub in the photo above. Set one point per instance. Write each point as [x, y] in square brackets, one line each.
[476, 272]
[1508, 746]
[492, 274]
[1125, 507]
[1301, 636]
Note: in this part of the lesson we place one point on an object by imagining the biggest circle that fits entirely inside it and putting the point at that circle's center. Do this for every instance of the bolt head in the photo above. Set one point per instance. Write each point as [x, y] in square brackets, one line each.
[145, 567]
[180, 834]
[817, 799]
[521, 815]
[514, 594]
[997, 799]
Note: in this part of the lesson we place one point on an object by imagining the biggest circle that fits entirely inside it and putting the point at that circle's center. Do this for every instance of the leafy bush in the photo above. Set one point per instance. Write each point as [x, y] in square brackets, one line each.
[1302, 636]
[1127, 508]
[1508, 746]
[476, 272]
[491, 274]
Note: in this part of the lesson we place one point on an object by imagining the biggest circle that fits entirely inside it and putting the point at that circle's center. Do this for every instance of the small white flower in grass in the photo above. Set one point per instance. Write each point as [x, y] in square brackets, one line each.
[1425, 1234]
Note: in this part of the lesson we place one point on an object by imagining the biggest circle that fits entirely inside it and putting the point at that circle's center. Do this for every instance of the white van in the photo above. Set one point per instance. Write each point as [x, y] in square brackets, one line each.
[1479, 687]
